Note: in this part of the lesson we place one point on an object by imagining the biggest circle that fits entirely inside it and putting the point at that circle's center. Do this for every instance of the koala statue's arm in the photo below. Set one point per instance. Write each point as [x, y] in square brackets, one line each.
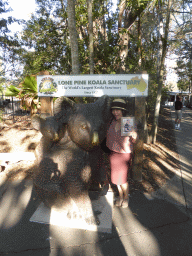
[42, 148]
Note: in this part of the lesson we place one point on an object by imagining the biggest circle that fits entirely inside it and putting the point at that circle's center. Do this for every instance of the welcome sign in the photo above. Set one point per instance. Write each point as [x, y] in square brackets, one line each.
[135, 85]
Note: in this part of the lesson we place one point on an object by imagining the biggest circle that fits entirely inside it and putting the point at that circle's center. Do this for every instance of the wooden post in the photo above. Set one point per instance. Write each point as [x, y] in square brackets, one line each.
[46, 106]
[46, 102]
[140, 116]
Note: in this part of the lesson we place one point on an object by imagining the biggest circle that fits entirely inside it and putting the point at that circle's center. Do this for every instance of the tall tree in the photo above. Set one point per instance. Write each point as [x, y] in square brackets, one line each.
[4, 8]
[48, 44]
[163, 43]
[129, 12]
[182, 45]
[90, 32]
[73, 36]
[6, 41]
[45, 41]
[184, 66]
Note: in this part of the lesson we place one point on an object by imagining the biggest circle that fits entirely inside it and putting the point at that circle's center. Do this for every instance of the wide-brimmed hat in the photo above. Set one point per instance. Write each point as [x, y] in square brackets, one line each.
[118, 104]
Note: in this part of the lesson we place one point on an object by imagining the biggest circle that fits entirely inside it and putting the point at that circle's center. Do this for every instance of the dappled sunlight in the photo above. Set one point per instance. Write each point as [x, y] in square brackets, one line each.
[164, 149]
[160, 165]
[177, 190]
[174, 193]
[174, 189]
[3, 180]
[187, 176]
[165, 153]
[185, 164]
[16, 140]
[135, 237]
[78, 240]
[188, 146]
[14, 202]
[167, 165]
[168, 162]
[184, 144]
[136, 230]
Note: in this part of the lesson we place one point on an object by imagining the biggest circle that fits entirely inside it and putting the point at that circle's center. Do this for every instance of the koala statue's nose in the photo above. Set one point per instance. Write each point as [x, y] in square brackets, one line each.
[95, 139]
[55, 137]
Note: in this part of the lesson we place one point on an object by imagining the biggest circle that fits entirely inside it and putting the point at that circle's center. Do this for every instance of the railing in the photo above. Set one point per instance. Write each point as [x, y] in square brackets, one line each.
[11, 107]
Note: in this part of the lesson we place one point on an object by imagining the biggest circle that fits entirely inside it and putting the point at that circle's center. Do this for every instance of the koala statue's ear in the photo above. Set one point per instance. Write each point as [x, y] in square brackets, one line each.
[104, 102]
[37, 122]
[62, 108]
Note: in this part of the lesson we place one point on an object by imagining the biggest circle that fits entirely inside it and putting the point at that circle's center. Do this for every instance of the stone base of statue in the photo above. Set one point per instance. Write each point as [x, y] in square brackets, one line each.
[70, 217]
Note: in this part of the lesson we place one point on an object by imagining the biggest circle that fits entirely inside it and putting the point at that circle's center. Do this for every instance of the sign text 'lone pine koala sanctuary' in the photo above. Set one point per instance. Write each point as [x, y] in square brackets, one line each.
[135, 85]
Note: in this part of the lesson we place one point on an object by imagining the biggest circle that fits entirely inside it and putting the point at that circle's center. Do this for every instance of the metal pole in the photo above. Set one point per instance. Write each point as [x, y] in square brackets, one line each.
[13, 109]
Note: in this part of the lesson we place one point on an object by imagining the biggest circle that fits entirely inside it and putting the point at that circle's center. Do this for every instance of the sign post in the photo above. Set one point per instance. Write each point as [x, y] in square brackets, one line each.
[140, 117]
[131, 85]
[47, 106]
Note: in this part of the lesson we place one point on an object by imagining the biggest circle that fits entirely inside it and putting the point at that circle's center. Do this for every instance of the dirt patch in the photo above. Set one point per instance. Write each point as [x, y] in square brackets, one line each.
[160, 160]
[18, 136]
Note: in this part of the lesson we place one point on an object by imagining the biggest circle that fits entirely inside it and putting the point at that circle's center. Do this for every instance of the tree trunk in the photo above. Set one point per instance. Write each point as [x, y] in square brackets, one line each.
[123, 38]
[129, 16]
[73, 36]
[90, 32]
[164, 38]
[140, 43]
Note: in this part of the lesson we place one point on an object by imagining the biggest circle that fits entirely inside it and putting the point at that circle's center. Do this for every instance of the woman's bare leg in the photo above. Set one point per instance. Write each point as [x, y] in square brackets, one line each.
[120, 199]
[125, 189]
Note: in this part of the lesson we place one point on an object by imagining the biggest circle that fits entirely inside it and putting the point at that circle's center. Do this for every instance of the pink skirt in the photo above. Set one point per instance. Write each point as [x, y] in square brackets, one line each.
[119, 167]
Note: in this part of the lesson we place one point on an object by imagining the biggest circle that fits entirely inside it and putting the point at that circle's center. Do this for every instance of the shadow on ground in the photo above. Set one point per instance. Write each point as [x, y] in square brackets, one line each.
[147, 227]
[19, 236]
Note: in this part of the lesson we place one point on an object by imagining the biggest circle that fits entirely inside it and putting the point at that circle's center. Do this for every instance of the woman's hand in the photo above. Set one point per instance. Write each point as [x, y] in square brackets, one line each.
[133, 136]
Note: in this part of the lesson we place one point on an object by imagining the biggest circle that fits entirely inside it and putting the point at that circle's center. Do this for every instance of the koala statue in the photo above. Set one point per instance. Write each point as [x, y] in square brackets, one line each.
[69, 156]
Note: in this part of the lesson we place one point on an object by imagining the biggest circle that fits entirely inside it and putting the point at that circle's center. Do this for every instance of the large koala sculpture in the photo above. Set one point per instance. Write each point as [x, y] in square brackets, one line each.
[69, 156]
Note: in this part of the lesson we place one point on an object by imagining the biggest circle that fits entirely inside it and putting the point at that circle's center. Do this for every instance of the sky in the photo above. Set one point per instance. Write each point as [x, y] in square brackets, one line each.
[21, 10]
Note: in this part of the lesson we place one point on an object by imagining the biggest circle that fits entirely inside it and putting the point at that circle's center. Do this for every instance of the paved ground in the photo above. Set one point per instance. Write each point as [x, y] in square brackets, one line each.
[159, 224]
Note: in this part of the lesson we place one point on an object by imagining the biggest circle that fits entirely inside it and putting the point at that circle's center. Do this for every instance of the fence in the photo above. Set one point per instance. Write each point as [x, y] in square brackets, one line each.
[10, 107]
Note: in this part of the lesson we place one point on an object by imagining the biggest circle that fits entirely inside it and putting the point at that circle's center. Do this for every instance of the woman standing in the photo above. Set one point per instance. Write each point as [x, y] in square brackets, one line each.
[121, 148]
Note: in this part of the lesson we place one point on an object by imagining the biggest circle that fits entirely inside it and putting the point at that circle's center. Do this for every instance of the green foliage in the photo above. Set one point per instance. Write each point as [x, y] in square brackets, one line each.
[1, 84]
[7, 41]
[29, 86]
[183, 84]
[48, 40]
[45, 42]
[27, 92]
[137, 4]
[182, 46]
[184, 72]
[46, 35]
[152, 95]
[4, 22]
[12, 91]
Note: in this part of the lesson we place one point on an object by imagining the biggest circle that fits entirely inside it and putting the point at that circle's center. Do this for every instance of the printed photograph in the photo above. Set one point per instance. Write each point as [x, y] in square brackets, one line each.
[127, 125]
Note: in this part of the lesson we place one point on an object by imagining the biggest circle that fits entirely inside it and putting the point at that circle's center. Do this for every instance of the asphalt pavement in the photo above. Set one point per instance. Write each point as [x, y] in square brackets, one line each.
[157, 224]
